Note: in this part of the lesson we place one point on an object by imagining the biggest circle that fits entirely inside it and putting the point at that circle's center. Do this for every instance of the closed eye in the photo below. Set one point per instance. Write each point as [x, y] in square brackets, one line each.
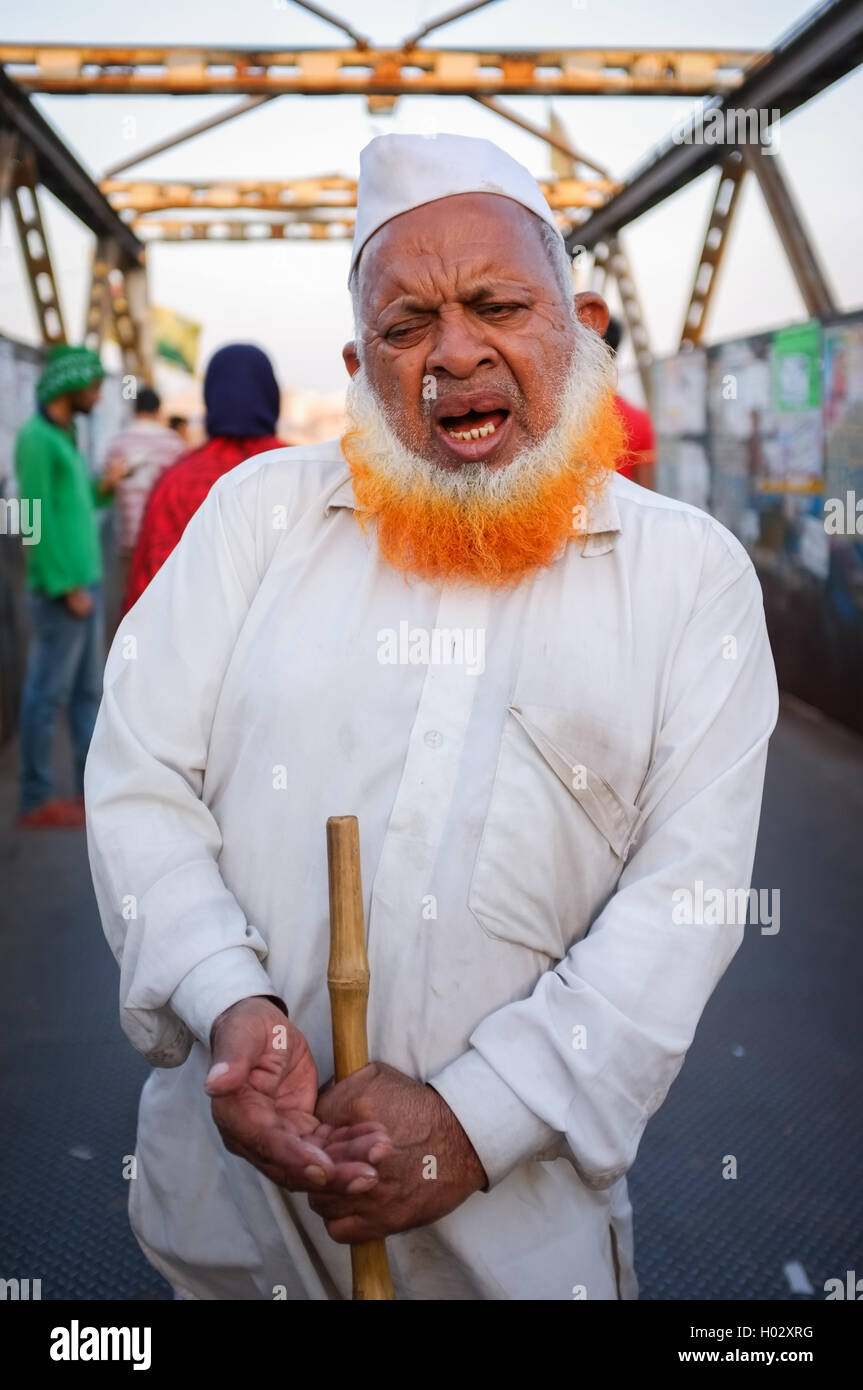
[499, 310]
[405, 332]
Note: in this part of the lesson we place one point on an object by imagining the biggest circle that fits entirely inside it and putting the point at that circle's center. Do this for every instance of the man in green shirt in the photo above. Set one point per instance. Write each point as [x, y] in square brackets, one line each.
[64, 572]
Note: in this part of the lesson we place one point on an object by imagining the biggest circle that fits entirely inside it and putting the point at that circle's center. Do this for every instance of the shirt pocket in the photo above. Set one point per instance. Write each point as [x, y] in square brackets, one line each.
[557, 832]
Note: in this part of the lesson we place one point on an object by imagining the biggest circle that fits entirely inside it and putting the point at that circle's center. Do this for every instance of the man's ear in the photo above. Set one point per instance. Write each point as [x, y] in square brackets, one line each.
[352, 361]
[592, 311]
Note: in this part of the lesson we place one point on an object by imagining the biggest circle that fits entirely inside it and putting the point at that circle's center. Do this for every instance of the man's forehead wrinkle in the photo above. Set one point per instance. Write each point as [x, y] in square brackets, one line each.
[440, 229]
[425, 287]
[419, 268]
[415, 285]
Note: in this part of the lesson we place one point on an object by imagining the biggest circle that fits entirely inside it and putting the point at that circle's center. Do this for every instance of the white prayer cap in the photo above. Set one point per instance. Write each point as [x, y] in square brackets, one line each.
[400, 172]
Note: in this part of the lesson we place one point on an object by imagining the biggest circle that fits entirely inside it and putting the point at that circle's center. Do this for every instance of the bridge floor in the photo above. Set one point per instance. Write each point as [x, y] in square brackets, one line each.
[774, 1077]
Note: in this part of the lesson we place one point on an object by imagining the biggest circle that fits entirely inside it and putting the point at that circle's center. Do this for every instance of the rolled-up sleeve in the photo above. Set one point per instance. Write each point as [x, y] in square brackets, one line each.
[185, 948]
[591, 1054]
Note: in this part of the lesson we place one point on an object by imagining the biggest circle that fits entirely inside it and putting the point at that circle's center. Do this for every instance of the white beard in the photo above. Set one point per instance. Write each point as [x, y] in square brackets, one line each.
[588, 380]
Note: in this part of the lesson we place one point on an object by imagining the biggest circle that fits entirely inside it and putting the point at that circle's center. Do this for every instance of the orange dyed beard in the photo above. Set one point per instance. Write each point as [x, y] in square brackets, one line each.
[428, 533]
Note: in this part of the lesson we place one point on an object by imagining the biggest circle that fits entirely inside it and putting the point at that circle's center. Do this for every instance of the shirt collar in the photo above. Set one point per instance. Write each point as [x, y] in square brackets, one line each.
[343, 496]
[64, 429]
[603, 527]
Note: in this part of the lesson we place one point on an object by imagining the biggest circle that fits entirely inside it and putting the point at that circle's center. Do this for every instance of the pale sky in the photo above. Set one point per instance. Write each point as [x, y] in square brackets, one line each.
[292, 299]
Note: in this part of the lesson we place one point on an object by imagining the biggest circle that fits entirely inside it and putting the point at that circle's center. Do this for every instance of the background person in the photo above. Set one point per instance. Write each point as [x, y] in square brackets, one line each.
[64, 573]
[145, 447]
[180, 425]
[241, 395]
[640, 455]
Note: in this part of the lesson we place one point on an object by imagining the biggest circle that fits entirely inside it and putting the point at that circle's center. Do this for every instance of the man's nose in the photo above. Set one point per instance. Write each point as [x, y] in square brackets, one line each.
[460, 346]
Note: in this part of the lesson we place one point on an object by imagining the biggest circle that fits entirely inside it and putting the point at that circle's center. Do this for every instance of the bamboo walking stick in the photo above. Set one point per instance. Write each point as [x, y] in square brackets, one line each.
[348, 984]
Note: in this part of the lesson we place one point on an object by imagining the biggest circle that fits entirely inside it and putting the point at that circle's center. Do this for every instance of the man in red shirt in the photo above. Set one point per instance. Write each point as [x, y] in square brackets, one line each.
[638, 462]
[242, 399]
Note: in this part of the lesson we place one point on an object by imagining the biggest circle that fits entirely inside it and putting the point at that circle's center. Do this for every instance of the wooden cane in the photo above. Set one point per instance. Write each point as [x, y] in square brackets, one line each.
[348, 983]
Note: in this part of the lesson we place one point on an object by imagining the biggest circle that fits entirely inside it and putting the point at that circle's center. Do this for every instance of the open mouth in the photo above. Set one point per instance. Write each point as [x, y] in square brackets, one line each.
[474, 424]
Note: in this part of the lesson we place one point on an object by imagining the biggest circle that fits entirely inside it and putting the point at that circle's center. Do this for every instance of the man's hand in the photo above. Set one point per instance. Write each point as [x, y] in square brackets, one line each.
[114, 473]
[80, 602]
[264, 1086]
[431, 1170]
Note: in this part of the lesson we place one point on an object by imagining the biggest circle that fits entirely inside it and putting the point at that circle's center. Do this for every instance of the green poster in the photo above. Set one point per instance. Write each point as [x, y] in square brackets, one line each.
[797, 367]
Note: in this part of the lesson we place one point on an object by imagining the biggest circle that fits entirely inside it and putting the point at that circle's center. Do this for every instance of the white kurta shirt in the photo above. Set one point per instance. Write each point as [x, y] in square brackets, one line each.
[523, 829]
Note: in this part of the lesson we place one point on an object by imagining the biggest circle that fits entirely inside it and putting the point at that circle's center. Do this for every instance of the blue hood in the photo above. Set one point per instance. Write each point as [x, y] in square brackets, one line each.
[241, 393]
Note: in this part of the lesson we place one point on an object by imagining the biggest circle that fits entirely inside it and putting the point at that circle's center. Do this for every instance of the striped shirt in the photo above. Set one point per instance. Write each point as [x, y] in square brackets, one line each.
[147, 447]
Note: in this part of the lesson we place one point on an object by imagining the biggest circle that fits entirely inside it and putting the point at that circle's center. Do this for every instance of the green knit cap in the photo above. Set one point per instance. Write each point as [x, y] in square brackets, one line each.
[67, 368]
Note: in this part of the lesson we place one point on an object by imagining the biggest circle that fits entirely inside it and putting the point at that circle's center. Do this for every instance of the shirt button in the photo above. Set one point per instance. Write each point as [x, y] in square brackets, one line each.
[433, 739]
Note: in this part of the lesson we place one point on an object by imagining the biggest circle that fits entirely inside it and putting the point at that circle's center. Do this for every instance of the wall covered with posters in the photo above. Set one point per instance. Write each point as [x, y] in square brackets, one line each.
[766, 433]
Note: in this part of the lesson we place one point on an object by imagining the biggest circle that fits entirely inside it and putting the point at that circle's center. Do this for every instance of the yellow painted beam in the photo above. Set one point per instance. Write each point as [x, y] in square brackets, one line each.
[64, 69]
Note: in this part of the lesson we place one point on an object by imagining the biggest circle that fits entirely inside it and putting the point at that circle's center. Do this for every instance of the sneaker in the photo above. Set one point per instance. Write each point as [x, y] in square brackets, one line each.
[53, 815]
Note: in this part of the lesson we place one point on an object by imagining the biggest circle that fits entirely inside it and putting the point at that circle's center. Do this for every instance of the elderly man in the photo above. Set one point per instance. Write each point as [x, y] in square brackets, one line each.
[546, 694]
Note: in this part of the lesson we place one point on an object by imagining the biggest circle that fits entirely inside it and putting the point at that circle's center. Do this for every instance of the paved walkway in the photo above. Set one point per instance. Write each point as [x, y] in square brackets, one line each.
[773, 1079]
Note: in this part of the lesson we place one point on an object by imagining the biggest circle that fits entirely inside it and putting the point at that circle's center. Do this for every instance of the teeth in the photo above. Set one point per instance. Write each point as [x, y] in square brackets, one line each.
[473, 434]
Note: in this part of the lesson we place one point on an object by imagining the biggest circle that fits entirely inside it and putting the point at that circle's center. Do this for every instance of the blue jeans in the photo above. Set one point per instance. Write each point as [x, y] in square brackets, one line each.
[64, 671]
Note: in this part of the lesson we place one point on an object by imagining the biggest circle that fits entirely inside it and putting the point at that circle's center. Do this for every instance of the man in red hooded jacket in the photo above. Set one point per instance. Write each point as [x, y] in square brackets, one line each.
[242, 399]
[637, 463]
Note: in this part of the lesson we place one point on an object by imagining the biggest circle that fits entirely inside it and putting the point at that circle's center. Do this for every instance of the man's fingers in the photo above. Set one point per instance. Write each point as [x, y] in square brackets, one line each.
[354, 1131]
[242, 1043]
[236, 1051]
[250, 1124]
[372, 1147]
[299, 1156]
[311, 1176]
[297, 1162]
[353, 1230]
[274, 1171]
[333, 1205]
[337, 1100]
[225, 1077]
[289, 1161]
[344, 1180]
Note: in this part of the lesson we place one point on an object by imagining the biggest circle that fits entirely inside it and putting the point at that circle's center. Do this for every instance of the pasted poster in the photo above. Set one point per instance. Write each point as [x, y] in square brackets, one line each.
[742, 431]
[679, 403]
[843, 420]
[842, 409]
[797, 463]
[19, 371]
[783, 452]
[680, 423]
